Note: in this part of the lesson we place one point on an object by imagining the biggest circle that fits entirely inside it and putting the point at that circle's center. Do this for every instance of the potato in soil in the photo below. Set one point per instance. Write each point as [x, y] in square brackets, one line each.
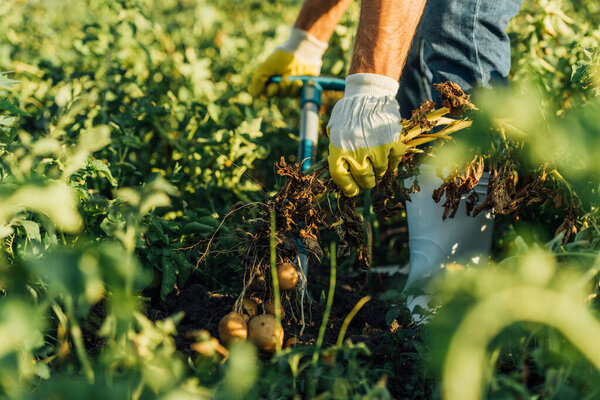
[269, 307]
[233, 326]
[287, 276]
[265, 333]
[250, 307]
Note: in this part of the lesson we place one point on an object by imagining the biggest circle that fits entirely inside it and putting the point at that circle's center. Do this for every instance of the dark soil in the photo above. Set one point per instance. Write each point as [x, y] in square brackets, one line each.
[203, 309]
[393, 347]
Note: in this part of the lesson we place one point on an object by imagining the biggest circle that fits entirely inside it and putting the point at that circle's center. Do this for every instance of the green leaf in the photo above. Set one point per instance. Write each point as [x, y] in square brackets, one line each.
[94, 139]
[129, 196]
[42, 370]
[32, 229]
[6, 105]
[392, 314]
[169, 277]
[56, 200]
[156, 231]
[214, 112]
[102, 169]
[5, 82]
[197, 227]
[7, 121]
[184, 267]
[112, 227]
[154, 200]
[209, 221]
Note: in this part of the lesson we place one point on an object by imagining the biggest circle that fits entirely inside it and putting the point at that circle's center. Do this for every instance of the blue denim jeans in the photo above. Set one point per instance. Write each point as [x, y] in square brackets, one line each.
[463, 41]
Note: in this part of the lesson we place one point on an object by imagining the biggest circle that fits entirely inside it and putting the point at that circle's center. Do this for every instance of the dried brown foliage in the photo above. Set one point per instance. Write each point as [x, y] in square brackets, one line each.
[296, 218]
[505, 195]
[569, 224]
[299, 219]
[353, 237]
[294, 205]
[419, 117]
[390, 194]
[453, 98]
[458, 184]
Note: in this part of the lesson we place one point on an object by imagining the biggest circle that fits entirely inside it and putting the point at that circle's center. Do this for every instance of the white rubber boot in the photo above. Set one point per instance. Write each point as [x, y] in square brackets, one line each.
[433, 242]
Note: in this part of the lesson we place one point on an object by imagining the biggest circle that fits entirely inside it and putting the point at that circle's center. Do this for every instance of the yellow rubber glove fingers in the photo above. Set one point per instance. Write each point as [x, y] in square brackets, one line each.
[361, 168]
[284, 64]
[381, 160]
[276, 64]
[279, 63]
[286, 88]
[339, 169]
[362, 171]
[396, 153]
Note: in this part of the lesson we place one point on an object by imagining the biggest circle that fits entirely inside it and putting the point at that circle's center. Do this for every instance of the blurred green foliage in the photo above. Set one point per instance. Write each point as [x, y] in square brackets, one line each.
[127, 133]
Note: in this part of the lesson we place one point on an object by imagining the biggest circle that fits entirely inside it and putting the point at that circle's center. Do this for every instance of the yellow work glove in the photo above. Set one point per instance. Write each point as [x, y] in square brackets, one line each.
[299, 55]
[364, 132]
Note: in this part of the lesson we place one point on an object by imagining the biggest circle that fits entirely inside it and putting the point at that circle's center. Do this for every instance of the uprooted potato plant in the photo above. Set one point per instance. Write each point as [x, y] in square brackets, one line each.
[309, 204]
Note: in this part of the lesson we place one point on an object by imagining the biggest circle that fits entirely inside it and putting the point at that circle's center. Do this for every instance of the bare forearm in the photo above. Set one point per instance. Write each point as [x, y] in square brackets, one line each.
[319, 17]
[385, 32]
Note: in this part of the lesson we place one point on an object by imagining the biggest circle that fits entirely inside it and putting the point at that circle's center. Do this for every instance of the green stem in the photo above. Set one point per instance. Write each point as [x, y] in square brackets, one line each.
[315, 166]
[276, 293]
[567, 185]
[62, 238]
[329, 304]
[80, 349]
[462, 374]
[349, 317]
[332, 278]
[77, 337]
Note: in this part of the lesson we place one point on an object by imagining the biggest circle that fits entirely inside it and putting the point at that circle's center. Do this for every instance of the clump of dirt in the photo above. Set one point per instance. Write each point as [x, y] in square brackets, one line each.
[453, 98]
[202, 310]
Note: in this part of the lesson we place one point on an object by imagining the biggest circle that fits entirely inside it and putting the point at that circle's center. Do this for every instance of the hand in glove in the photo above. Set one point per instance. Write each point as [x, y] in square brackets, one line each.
[300, 55]
[364, 133]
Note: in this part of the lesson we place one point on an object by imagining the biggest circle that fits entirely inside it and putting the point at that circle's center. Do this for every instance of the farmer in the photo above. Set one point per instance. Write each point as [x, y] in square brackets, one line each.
[402, 47]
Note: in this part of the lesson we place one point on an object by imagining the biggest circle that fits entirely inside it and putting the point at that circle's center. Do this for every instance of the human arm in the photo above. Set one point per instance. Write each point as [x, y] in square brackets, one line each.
[364, 128]
[301, 53]
[385, 32]
[320, 17]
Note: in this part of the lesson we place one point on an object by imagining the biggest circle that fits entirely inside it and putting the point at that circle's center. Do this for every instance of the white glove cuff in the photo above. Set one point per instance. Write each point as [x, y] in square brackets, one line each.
[304, 46]
[370, 85]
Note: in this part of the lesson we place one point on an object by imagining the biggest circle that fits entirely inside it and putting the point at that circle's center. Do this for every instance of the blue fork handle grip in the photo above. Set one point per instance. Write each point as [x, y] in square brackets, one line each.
[326, 83]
